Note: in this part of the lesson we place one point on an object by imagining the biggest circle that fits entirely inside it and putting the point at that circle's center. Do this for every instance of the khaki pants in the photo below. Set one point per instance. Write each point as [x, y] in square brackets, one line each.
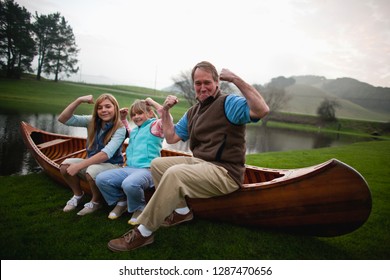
[177, 177]
[93, 170]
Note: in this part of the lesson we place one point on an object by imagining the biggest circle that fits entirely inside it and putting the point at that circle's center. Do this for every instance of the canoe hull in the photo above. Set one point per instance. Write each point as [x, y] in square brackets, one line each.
[328, 199]
[333, 201]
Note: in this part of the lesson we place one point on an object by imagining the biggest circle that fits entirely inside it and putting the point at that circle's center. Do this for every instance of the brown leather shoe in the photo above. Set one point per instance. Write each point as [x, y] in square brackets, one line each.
[175, 219]
[131, 240]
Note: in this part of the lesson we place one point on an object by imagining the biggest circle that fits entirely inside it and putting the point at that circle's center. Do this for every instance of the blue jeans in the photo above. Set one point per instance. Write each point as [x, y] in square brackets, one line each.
[129, 182]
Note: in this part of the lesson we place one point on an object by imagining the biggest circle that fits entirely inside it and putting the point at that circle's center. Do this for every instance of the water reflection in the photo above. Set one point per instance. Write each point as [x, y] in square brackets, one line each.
[15, 159]
[265, 139]
[14, 156]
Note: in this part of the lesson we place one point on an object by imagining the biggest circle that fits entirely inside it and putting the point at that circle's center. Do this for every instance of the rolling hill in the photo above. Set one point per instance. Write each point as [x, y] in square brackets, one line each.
[357, 100]
[305, 99]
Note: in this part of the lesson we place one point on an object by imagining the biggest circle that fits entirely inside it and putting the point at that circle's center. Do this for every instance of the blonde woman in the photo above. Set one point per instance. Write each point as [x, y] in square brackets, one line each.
[106, 134]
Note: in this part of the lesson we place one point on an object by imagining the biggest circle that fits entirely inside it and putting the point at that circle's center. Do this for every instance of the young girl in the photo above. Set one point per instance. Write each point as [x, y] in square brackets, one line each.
[106, 134]
[125, 186]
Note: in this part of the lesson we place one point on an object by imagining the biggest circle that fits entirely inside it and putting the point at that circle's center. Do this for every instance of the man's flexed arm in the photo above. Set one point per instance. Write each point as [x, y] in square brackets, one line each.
[257, 105]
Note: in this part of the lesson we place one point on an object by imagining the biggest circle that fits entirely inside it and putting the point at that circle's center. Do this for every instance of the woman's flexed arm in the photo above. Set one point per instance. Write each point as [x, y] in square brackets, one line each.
[69, 110]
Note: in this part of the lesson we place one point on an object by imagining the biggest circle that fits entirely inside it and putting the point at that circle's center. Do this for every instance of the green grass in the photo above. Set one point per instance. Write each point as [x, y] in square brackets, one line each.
[33, 225]
[31, 96]
[329, 129]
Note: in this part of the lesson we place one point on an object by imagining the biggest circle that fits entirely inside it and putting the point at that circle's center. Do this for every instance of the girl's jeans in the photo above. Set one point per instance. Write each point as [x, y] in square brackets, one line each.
[128, 182]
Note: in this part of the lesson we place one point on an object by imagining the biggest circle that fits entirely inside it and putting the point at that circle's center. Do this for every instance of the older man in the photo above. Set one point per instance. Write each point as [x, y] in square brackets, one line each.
[215, 127]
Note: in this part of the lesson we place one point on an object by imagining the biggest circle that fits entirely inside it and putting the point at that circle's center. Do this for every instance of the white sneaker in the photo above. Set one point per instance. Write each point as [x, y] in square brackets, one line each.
[89, 207]
[133, 221]
[117, 211]
[72, 203]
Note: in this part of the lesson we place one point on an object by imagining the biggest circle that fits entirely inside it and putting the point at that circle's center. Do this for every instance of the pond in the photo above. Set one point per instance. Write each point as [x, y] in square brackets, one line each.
[15, 159]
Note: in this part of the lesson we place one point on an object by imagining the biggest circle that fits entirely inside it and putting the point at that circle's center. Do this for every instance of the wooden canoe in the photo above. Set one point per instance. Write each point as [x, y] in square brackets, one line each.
[327, 199]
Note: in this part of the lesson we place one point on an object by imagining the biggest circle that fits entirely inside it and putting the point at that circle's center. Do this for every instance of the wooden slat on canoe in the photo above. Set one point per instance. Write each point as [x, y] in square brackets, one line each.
[52, 143]
[72, 155]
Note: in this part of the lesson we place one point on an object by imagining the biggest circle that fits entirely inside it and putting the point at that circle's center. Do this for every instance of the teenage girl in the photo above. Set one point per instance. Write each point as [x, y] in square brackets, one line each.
[106, 134]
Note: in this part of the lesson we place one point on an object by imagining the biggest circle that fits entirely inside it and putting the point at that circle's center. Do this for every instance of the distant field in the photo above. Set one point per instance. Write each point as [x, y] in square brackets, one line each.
[31, 96]
[46, 96]
[305, 100]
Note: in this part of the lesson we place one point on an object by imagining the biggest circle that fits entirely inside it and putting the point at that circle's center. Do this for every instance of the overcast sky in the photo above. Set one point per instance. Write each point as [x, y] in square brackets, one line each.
[148, 42]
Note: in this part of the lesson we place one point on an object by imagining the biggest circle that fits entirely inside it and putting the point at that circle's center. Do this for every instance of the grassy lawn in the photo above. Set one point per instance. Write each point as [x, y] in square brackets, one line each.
[31, 96]
[33, 225]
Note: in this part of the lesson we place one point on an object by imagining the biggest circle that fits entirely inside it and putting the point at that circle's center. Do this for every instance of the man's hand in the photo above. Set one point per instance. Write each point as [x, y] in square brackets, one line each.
[169, 102]
[227, 75]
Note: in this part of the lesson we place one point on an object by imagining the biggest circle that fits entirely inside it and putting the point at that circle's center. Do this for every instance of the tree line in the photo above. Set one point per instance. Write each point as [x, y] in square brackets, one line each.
[23, 37]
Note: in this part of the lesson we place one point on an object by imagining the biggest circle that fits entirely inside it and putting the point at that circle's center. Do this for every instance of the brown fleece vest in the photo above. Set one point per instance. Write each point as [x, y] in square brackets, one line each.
[213, 138]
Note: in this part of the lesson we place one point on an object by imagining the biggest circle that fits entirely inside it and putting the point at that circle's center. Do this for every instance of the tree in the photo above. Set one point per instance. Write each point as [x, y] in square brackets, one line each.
[45, 31]
[17, 47]
[57, 50]
[281, 82]
[274, 94]
[327, 110]
[183, 82]
[62, 56]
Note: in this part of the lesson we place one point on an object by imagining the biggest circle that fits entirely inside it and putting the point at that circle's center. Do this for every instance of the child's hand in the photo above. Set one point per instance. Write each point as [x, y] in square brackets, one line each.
[149, 101]
[123, 113]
